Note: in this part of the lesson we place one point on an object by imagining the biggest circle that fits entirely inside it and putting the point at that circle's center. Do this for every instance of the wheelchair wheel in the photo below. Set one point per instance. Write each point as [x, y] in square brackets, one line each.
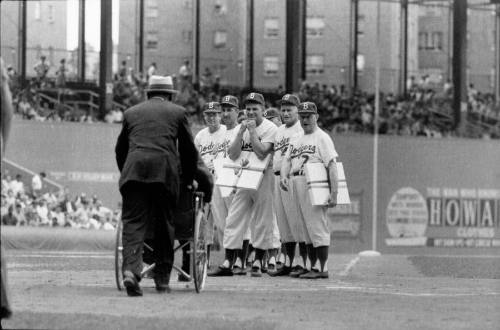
[199, 246]
[119, 257]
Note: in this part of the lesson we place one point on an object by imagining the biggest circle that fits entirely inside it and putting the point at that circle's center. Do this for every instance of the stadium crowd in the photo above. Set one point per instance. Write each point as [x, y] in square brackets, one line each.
[423, 112]
[31, 206]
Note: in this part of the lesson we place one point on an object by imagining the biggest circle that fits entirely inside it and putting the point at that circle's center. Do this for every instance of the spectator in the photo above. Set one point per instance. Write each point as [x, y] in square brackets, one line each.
[151, 70]
[19, 214]
[17, 185]
[9, 219]
[122, 72]
[41, 70]
[37, 184]
[185, 76]
[61, 74]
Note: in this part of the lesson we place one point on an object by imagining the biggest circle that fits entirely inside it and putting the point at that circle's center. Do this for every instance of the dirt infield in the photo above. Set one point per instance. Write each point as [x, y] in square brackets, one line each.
[76, 290]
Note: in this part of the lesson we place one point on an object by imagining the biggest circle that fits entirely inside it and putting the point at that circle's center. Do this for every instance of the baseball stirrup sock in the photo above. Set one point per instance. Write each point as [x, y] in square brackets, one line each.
[303, 253]
[322, 253]
[311, 251]
[259, 255]
[290, 252]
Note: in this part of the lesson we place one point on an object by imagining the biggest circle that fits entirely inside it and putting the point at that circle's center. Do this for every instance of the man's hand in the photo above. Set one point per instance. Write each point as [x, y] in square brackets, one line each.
[284, 183]
[251, 124]
[243, 126]
[332, 200]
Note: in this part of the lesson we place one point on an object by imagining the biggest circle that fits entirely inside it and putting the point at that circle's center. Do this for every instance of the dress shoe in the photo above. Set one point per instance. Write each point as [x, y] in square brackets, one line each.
[221, 271]
[131, 284]
[282, 271]
[161, 284]
[297, 271]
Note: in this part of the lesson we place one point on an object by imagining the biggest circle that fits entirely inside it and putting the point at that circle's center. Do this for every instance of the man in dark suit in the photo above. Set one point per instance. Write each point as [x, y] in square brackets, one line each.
[154, 149]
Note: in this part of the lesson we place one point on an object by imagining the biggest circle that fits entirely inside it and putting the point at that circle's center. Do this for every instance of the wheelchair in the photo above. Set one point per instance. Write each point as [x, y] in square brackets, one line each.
[191, 232]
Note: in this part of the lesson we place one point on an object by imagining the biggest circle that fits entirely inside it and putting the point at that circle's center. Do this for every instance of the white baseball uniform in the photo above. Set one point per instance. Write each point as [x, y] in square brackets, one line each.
[291, 227]
[251, 208]
[210, 147]
[316, 147]
[230, 136]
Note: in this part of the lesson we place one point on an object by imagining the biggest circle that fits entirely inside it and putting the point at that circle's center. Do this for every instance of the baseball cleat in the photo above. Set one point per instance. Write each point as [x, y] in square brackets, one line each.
[239, 271]
[297, 271]
[256, 272]
[314, 274]
[221, 271]
[282, 271]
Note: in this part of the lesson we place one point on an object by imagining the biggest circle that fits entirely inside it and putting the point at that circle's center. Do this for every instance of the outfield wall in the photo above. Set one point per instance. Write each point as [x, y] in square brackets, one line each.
[452, 195]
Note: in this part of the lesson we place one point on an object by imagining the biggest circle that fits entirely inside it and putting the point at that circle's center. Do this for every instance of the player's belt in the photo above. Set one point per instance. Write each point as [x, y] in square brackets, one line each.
[298, 173]
[277, 173]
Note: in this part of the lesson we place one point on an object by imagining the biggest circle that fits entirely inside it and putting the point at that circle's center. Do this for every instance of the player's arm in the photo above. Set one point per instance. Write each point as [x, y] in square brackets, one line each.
[261, 149]
[286, 166]
[234, 149]
[333, 176]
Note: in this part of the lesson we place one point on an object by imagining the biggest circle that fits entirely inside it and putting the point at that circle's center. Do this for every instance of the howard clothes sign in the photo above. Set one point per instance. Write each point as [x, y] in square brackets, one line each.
[445, 217]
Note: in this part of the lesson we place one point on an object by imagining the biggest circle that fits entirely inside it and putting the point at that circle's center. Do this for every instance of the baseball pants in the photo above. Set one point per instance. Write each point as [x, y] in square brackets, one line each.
[251, 208]
[314, 217]
[218, 214]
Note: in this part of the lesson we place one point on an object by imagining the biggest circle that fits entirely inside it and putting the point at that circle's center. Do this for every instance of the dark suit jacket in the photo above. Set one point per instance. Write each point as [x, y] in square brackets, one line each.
[156, 146]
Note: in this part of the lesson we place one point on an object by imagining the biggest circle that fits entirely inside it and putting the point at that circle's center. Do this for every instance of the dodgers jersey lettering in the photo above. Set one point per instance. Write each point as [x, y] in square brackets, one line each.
[316, 147]
[284, 135]
[211, 145]
[266, 132]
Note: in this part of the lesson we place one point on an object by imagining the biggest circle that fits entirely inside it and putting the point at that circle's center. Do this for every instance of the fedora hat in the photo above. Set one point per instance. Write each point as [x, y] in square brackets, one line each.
[161, 84]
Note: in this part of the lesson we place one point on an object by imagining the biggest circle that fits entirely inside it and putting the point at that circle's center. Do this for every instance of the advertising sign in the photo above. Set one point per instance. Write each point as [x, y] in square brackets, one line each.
[446, 217]
[345, 220]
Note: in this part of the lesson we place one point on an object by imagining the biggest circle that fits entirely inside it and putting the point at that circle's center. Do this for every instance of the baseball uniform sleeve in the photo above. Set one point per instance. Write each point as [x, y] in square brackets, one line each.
[269, 134]
[326, 148]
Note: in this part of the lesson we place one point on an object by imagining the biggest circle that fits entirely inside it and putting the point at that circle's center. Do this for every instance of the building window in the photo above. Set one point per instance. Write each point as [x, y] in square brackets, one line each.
[220, 39]
[188, 4]
[187, 36]
[430, 41]
[271, 28]
[315, 27]
[271, 65]
[315, 64]
[437, 41]
[51, 14]
[152, 9]
[38, 10]
[220, 7]
[152, 40]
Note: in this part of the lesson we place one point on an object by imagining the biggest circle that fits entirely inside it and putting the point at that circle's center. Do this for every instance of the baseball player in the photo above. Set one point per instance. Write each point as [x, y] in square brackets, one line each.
[291, 228]
[273, 115]
[315, 146]
[230, 115]
[210, 142]
[256, 134]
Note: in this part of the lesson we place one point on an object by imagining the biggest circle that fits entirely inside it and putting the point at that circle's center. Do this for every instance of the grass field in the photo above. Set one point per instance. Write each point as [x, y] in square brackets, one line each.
[76, 290]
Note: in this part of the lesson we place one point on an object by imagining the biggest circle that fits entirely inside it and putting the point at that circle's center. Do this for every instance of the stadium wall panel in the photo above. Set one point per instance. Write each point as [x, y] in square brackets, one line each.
[81, 156]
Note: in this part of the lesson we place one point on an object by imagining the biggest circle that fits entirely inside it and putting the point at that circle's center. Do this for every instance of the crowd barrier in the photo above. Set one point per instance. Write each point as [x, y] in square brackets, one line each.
[57, 239]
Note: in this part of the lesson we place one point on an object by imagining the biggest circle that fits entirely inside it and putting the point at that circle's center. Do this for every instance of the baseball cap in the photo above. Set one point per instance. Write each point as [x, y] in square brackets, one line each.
[230, 100]
[254, 98]
[290, 99]
[271, 113]
[212, 107]
[308, 107]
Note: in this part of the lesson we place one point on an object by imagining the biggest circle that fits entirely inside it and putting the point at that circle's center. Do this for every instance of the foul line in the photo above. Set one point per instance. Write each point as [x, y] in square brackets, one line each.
[349, 266]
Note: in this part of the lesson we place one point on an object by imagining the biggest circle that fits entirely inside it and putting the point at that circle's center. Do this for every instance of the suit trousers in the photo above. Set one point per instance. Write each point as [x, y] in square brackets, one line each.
[147, 205]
